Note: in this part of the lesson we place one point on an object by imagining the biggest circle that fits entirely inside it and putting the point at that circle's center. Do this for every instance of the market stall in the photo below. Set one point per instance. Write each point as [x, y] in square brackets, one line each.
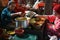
[30, 26]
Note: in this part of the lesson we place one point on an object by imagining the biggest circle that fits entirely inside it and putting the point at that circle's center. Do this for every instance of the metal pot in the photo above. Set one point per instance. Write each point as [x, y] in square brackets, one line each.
[21, 22]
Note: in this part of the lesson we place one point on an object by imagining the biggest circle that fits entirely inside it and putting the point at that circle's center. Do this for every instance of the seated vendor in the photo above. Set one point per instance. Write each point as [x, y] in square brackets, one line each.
[6, 15]
[54, 28]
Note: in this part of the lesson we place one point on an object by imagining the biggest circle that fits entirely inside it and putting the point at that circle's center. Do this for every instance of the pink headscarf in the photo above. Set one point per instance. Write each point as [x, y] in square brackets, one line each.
[57, 8]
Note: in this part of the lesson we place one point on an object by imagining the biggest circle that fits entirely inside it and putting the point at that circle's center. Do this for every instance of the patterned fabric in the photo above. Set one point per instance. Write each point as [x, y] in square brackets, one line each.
[57, 25]
[54, 29]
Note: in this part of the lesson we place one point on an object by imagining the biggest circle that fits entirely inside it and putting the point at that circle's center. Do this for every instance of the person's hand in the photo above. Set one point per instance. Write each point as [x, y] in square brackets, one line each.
[15, 14]
[19, 13]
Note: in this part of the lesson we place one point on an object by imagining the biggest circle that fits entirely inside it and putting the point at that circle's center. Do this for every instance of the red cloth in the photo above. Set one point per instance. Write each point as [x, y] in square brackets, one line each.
[51, 18]
[41, 4]
[50, 30]
[57, 26]
[19, 31]
[19, 8]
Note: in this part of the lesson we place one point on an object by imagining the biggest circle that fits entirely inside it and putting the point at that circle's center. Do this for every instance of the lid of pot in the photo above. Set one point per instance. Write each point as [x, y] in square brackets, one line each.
[21, 19]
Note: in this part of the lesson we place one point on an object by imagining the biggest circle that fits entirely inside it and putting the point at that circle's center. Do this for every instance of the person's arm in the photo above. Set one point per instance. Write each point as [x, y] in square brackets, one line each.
[45, 16]
[15, 14]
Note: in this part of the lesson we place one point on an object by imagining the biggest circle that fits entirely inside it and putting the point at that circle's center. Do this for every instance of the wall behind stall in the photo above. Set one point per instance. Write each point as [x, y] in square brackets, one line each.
[4, 2]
